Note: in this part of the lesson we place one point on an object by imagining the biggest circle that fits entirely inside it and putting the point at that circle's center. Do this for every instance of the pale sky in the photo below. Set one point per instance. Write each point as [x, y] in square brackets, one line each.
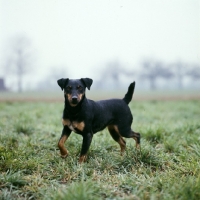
[84, 35]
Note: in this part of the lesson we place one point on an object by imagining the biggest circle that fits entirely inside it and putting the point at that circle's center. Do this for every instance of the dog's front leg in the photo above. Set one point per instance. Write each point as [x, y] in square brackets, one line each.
[65, 134]
[87, 139]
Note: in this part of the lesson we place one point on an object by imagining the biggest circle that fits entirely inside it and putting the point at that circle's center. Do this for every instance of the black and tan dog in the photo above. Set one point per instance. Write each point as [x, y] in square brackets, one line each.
[86, 117]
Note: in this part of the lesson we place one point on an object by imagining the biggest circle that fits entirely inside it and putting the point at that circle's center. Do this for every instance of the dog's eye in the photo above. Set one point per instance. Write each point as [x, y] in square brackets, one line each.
[69, 87]
[79, 87]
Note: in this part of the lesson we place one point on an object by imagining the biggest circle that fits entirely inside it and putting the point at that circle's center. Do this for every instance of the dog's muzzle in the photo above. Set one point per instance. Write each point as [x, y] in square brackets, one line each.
[74, 100]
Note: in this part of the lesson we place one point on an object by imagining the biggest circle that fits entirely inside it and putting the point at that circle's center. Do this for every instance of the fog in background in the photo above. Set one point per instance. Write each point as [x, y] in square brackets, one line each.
[156, 43]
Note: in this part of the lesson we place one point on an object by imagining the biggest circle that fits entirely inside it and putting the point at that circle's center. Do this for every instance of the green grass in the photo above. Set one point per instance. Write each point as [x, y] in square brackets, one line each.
[166, 167]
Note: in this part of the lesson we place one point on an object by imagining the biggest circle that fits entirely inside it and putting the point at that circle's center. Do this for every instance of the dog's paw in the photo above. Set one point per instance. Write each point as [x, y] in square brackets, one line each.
[138, 146]
[64, 156]
[82, 159]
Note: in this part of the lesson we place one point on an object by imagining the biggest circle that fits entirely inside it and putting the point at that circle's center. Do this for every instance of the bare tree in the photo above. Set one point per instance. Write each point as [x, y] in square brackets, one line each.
[49, 82]
[149, 72]
[110, 73]
[19, 60]
[113, 70]
[180, 70]
[164, 71]
[2, 85]
[152, 70]
[194, 72]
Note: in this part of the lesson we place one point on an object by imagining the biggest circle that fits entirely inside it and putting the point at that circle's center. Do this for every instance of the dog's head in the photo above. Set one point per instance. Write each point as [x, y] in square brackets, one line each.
[74, 89]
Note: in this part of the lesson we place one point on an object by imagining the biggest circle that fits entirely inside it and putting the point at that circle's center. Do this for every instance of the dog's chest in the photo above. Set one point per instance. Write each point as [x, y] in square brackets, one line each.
[74, 125]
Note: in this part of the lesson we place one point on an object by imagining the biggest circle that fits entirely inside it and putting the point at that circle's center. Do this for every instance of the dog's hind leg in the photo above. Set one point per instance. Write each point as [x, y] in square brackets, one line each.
[117, 137]
[136, 137]
[65, 134]
[128, 133]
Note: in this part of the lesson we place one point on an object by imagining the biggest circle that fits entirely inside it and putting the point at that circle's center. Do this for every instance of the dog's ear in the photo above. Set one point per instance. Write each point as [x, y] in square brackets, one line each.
[62, 82]
[87, 82]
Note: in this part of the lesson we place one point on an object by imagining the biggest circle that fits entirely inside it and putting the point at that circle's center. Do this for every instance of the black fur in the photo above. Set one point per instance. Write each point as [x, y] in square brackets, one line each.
[86, 117]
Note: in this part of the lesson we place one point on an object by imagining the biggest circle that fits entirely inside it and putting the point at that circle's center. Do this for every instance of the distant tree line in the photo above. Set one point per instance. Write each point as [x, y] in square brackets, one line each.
[151, 70]
[19, 62]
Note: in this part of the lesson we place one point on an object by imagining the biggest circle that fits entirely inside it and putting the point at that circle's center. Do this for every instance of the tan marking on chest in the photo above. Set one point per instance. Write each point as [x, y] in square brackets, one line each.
[78, 125]
[66, 122]
[73, 125]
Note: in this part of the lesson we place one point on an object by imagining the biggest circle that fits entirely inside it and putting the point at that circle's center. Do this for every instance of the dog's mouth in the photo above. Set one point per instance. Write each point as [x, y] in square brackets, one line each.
[73, 105]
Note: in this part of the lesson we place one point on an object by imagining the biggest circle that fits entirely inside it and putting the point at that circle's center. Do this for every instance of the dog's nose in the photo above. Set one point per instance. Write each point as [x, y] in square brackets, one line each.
[74, 98]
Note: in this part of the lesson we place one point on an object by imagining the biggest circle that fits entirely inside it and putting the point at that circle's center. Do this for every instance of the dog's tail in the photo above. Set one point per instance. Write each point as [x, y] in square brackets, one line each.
[128, 96]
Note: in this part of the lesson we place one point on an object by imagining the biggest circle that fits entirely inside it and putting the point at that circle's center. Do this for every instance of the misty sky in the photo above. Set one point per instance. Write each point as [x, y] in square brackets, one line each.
[84, 35]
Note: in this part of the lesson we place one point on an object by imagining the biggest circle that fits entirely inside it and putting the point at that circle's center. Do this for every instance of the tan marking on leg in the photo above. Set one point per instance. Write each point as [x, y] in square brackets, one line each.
[136, 142]
[82, 159]
[122, 144]
[137, 139]
[63, 150]
[121, 141]
[116, 129]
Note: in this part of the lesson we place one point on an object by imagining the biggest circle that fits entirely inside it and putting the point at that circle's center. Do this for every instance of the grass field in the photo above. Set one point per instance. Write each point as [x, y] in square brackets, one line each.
[166, 167]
